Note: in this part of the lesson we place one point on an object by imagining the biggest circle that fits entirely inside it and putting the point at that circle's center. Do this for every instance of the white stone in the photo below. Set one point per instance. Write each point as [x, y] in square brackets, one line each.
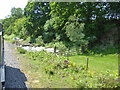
[39, 48]
[21, 40]
[28, 48]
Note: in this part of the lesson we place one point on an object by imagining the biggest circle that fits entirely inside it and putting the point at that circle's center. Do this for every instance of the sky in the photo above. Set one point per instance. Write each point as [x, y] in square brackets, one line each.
[6, 6]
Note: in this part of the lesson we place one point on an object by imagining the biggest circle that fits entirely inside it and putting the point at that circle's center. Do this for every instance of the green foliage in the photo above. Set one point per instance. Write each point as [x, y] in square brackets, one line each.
[36, 16]
[20, 50]
[19, 29]
[10, 24]
[48, 31]
[56, 21]
[28, 39]
[9, 37]
[10, 29]
[6, 23]
[60, 46]
[107, 27]
[53, 29]
[75, 31]
[74, 74]
[16, 12]
[67, 26]
[108, 49]
[39, 41]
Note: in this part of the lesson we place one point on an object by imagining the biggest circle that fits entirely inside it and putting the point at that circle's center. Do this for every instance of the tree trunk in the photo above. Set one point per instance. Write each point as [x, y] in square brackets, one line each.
[82, 48]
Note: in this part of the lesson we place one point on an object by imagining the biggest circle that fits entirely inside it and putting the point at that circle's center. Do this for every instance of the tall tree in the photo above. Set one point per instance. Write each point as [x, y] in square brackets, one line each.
[16, 12]
[36, 13]
[8, 23]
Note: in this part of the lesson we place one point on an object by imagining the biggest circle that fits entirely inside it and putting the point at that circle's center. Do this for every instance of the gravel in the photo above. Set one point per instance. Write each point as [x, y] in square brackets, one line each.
[15, 78]
[29, 48]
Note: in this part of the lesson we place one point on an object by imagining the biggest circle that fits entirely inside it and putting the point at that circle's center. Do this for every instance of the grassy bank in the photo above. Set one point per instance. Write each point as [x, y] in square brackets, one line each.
[48, 70]
[97, 63]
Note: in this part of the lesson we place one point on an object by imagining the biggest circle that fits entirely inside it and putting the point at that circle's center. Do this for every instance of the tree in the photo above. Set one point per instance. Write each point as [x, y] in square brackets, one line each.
[19, 29]
[49, 32]
[36, 16]
[74, 31]
[8, 23]
[16, 12]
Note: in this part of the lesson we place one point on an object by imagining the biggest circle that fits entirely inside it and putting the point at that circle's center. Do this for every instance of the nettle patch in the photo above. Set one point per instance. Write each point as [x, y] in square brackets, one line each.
[58, 68]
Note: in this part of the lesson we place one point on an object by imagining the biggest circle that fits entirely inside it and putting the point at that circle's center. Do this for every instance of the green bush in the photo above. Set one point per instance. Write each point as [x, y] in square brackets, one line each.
[50, 45]
[9, 37]
[22, 34]
[104, 50]
[64, 48]
[60, 46]
[20, 50]
[5, 36]
[27, 40]
[39, 41]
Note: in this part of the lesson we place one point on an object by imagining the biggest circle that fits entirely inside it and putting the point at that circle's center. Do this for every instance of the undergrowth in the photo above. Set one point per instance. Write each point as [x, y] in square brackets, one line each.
[20, 50]
[62, 72]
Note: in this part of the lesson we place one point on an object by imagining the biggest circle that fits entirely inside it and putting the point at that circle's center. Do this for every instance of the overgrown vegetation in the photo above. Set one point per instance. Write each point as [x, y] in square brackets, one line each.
[20, 50]
[78, 30]
[61, 72]
[80, 23]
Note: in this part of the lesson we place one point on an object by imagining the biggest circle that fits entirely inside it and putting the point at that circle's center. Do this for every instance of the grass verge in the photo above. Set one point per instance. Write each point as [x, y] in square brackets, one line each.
[45, 70]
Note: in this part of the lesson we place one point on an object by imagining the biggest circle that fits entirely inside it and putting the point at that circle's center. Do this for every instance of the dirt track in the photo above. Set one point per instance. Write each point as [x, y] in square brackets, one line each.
[14, 77]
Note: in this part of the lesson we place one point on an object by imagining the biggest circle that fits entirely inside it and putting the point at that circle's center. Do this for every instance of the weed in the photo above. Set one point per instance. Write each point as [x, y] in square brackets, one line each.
[59, 71]
[20, 50]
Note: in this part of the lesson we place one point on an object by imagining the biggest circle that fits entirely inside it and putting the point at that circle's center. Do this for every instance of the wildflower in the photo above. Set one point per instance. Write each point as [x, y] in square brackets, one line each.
[88, 71]
[116, 74]
[74, 64]
[69, 65]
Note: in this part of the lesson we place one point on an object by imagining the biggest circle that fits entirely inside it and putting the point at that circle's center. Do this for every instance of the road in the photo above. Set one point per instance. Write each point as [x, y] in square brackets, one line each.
[14, 77]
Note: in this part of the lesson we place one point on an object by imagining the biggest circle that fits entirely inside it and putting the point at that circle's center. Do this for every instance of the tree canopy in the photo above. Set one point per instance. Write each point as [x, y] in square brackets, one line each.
[64, 21]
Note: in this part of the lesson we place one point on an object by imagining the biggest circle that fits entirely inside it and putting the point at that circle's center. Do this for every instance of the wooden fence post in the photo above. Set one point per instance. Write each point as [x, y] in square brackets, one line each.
[54, 49]
[119, 67]
[87, 62]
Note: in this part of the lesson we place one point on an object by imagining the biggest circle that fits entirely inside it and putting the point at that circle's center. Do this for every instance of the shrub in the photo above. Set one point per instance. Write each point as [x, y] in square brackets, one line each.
[107, 49]
[60, 46]
[39, 41]
[27, 40]
[23, 33]
[20, 50]
[9, 37]
[5, 36]
[50, 45]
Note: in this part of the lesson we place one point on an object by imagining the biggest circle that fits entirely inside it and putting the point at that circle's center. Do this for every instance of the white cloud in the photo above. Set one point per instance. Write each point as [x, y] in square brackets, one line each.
[6, 5]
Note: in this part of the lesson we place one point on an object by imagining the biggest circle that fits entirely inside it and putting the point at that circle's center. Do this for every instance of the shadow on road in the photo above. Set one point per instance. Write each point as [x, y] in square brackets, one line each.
[14, 78]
